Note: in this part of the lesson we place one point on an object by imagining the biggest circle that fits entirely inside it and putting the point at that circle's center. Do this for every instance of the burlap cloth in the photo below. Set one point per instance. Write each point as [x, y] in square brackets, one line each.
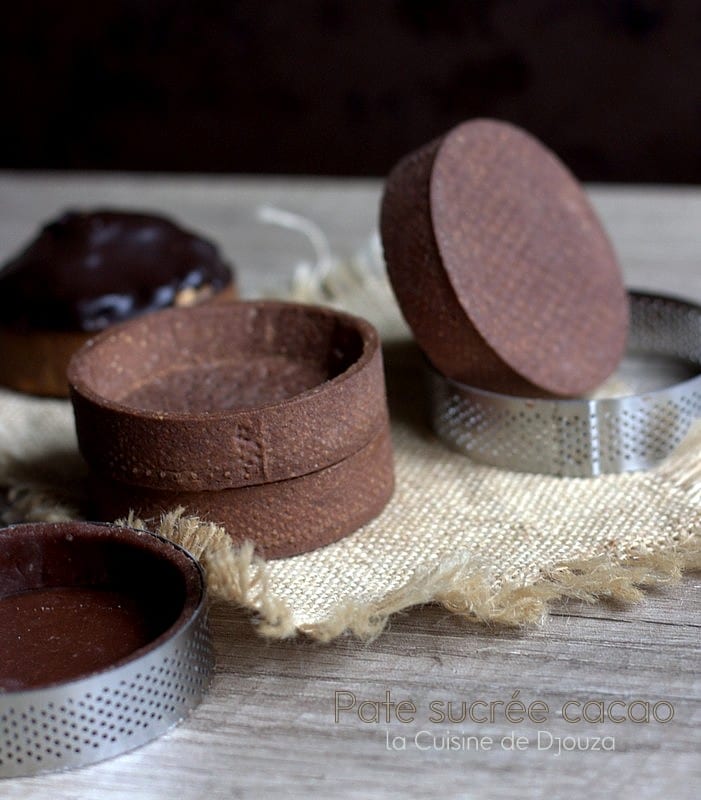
[486, 543]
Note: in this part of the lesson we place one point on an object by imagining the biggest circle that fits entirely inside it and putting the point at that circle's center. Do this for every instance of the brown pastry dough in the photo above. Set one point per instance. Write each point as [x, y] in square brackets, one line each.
[501, 266]
[130, 587]
[267, 417]
[283, 518]
[227, 395]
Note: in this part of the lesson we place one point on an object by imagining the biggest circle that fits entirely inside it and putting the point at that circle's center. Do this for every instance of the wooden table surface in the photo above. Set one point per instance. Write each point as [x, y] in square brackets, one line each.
[267, 727]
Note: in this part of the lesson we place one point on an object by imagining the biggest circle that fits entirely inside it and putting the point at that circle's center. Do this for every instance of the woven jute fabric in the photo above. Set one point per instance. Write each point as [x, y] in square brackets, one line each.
[490, 544]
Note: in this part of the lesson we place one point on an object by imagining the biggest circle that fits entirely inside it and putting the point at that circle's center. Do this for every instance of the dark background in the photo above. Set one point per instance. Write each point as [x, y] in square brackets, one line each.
[347, 86]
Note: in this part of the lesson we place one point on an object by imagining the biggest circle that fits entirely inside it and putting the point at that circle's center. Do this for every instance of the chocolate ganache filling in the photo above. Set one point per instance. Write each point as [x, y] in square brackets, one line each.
[86, 271]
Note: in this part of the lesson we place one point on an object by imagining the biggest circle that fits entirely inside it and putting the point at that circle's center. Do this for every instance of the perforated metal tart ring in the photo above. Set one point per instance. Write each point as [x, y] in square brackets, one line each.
[587, 437]
[51, 725]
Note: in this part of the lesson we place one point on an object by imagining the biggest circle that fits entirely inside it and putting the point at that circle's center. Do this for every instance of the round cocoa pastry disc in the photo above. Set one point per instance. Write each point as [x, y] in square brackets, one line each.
[501, 266]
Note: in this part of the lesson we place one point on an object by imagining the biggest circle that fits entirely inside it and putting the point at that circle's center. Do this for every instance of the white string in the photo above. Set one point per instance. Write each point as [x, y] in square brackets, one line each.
[304, 271]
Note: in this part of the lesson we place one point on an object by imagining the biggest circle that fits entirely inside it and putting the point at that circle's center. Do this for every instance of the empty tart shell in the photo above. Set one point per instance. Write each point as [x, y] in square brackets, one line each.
[224, 396]
[269, 418]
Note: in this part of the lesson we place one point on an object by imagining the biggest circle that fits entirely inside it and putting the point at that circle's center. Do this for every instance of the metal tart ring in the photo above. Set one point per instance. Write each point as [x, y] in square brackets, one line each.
[122, 706]
[583, 437]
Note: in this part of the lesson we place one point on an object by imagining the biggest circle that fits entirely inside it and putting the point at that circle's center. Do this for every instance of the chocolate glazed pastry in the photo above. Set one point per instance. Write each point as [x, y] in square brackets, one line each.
[500, 265]
[87, 271]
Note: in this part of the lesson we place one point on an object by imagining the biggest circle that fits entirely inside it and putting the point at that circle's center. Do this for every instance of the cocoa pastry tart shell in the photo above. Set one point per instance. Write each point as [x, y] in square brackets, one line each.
[227, 395]
[105, 643]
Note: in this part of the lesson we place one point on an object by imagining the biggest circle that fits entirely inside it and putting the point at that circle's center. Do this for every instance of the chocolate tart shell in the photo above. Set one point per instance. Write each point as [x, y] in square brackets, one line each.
[151, 585]
[283, 518]
[225, 396]
[105, 643]
[501, 266]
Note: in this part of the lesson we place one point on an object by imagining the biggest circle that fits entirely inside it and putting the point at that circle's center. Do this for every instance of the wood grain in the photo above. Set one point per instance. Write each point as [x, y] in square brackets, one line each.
[267, 727]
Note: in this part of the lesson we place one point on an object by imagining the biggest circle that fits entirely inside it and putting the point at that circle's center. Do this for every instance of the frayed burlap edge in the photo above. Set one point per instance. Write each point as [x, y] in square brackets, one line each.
[28, 503]
[236, 574]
